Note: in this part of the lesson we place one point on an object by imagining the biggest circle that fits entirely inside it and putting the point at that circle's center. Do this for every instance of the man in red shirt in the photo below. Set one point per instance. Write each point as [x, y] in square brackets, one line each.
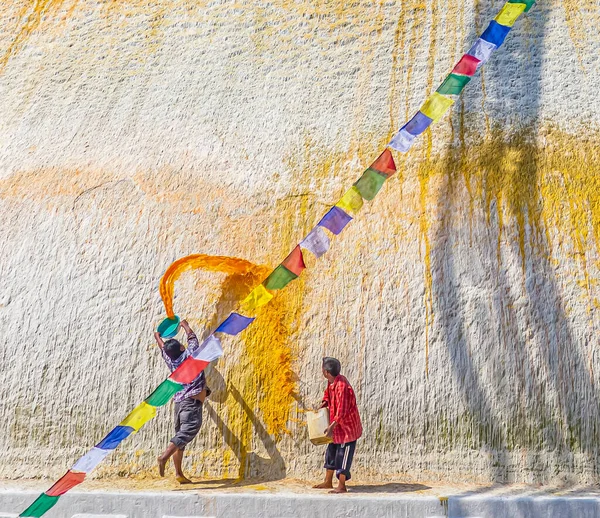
[345, 426]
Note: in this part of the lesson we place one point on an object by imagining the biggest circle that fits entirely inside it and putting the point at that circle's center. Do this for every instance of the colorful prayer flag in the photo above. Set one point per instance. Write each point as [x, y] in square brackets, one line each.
[163, 393]
[369, 184]
[467, 66]
[384, 164]
[280, 277]
[495, 33]
[295, 261]
[189, 370]
[509, 13]
[40, 506]
[193, 365]
[402, 141]
[139, 416]
[482, 50]
[68, 481]
[418, 124]
[115, 437]
[436, 106]
[351, 202]
[258, 297]
[234, 324]
[90, 460]
[453, 84]
[528, 3]
[317, 242]
[209, 350]
[336, 219]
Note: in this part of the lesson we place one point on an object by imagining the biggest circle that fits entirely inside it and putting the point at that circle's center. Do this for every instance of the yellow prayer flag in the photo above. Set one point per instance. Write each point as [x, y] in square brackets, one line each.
[436, 106]
[509, 13]
[259, 296]
[351, 202]
[139, 416]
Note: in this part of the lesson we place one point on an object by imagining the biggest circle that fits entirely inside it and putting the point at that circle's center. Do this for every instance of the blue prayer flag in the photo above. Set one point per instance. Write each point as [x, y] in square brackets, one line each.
[495, 33]
[114, 437]
[234, 324]
[335, 220]
[418, 124]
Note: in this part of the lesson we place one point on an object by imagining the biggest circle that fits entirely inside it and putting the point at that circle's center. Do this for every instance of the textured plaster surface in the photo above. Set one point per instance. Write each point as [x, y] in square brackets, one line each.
[463, 301]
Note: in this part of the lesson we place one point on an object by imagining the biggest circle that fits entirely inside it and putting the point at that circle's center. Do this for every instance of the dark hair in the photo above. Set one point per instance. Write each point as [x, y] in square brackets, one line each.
[332, 366]
[172, 348]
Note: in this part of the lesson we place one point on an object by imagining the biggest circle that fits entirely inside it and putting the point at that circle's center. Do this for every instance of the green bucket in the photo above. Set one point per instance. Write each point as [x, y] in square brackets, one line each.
[168, 327]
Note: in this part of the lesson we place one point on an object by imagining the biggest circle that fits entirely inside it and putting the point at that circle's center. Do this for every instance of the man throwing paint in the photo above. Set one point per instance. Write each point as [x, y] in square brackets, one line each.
[188, 402]
[345, 426]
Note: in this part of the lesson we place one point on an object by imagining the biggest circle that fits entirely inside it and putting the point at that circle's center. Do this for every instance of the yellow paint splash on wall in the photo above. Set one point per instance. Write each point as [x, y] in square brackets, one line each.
[30, 17]
[538, 189]
[261, 383]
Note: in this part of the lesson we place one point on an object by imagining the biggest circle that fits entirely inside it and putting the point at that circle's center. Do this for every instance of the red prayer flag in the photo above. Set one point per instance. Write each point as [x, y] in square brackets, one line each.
[189, 370]
[68, 481]
[467, 66]
[295, 261]
[385, 164]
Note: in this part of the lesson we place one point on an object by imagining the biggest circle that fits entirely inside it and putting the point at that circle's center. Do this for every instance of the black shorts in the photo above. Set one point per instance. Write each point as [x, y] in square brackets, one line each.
[188, 420]
[339, 458]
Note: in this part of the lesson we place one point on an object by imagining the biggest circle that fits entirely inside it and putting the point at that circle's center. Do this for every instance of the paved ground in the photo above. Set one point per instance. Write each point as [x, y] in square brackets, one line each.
[294, 499]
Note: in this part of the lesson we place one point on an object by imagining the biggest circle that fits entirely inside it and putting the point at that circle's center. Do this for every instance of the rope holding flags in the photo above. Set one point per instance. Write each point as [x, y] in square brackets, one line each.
[317, 242]
[441, 100]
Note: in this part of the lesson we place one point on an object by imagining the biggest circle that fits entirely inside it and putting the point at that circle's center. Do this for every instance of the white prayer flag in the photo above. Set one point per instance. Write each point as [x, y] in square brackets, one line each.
[90, 460]
[402, 141]
[482, 50]
[316, 242]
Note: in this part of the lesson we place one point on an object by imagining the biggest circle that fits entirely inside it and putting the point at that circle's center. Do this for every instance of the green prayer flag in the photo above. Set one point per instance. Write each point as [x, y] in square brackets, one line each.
[528, 3]
[279, 278]
[41, 506]
[453, 85]
[369, 184]
[163, 393]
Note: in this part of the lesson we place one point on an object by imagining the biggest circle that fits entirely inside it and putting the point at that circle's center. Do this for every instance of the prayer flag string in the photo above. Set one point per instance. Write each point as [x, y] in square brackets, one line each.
[317, 242]
[441, 100]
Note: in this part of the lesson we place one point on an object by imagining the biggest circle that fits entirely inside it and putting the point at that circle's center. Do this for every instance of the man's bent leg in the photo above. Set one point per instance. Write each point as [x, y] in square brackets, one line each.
[190, 420]
[162, 460]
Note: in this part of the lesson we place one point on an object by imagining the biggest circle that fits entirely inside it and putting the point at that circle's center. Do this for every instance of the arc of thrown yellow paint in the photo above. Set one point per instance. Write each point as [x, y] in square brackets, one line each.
[211, 263]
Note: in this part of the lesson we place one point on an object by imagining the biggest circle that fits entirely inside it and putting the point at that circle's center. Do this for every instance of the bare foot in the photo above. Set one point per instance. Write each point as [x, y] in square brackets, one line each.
[339, 490]
[161, 466]
[183, 479]
[323, 485]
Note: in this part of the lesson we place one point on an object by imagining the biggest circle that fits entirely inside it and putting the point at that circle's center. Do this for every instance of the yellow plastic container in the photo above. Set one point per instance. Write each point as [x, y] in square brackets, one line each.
[317, 424]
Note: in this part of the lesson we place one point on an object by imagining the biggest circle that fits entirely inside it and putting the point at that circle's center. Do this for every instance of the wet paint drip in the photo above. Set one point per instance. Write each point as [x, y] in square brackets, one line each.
[583, 21]
[542, 190]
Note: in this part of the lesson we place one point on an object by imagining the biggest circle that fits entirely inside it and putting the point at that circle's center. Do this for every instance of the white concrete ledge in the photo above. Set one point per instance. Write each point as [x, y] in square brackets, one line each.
[175, 504]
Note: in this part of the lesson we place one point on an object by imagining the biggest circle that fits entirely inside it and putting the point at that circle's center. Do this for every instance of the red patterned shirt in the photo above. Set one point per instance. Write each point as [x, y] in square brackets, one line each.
[341, 401]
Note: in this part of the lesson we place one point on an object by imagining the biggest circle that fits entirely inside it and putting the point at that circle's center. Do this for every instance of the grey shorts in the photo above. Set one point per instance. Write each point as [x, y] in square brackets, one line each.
[188, 420]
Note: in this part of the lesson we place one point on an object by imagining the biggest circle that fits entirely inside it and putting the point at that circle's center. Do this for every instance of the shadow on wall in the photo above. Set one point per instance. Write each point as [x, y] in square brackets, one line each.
[260, 381]
[252, 466]
[538, 395]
